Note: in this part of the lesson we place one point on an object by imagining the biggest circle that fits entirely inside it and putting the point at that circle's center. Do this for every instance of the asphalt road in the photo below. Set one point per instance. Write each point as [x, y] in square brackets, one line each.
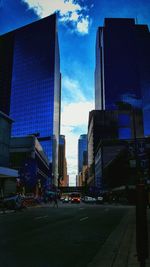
[68, 236]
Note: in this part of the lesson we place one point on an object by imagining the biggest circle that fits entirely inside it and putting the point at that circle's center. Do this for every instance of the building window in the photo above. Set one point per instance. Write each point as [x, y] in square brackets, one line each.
[123, 120]
[124, 133]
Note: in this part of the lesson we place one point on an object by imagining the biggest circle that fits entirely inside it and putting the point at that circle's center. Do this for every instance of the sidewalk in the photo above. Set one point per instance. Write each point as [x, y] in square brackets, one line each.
[119, 250]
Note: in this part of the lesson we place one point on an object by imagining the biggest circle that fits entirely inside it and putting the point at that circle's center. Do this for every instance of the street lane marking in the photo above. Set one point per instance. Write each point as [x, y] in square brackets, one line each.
[41, 217]
[85, 218]
[81, 208]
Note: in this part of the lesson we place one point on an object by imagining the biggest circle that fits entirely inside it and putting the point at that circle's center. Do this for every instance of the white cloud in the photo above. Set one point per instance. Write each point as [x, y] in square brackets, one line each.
[74, 16]
[74, 120]
[72, 87]
[74, 115]
[69, 11]
[83, 25]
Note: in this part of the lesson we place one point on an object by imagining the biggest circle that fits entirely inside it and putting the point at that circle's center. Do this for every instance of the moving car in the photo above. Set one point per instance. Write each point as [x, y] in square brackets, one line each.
[88, 199]
[75, 198]
[66, 199]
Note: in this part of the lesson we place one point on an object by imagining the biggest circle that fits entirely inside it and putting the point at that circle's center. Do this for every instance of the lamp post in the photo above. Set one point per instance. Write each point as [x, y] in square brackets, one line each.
[141, 206]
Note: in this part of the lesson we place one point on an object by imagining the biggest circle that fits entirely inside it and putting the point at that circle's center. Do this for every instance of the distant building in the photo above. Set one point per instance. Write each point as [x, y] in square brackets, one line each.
[122, 73]
[30, 84]
[62, 162]
[110, 125]
[81, 179]
[82, 151]
[77, 180]
[82, 159]
[67, 180]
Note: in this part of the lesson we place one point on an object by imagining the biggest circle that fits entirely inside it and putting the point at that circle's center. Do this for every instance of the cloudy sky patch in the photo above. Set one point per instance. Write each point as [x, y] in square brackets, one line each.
[70, 11]
[74, 121]
[72, 90]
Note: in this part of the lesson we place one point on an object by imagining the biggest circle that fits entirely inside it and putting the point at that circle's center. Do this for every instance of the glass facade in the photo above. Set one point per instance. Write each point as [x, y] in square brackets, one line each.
[125, 133]
[82, 147]
[124, 125]
[61, 168]
[6, 59]
[122, 74]
[124, 119]
[35, 86]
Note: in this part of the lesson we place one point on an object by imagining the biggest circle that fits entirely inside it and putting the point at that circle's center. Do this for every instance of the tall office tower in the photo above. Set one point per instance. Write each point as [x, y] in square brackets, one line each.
[62, 163]
[122, 74]
[30, 83]
[82, 151]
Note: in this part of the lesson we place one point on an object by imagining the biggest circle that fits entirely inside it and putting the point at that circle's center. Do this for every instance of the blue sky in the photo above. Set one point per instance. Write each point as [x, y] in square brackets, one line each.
[77, 26]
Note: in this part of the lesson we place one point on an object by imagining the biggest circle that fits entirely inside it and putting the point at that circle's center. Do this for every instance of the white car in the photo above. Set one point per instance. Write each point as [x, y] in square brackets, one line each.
[88, 199]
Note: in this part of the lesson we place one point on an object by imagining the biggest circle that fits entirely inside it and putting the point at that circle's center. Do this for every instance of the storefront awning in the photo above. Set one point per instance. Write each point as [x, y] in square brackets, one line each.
[7, 172]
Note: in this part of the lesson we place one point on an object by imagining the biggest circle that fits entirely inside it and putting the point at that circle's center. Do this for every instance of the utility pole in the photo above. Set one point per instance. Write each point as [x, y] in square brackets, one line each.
[141, 206]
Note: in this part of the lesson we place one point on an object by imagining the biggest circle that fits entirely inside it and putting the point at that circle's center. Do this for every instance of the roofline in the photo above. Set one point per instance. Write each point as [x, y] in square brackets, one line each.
[26, 25]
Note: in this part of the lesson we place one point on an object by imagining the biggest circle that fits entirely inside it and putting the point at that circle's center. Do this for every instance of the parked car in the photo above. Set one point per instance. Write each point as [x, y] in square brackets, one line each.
[12, 202]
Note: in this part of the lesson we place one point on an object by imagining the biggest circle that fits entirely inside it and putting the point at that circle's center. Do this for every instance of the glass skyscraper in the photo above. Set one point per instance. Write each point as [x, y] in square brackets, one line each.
[122, 74]
[31, 83]
[82, 152]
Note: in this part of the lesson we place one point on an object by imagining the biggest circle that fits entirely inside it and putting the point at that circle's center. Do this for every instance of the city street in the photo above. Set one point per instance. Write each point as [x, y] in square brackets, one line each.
[70, 235]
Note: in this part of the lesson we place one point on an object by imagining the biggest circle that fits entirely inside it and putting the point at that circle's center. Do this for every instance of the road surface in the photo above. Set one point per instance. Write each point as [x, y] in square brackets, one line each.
[68, 236]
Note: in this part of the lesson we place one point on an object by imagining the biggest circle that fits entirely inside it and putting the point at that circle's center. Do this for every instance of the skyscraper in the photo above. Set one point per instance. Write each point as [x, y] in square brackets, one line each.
[122, 74]
[82, 151]
[30, 83]
[62, 166]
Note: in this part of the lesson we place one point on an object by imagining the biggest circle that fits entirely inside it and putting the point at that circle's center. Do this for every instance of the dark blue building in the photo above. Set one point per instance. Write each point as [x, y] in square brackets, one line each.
[109, 125]
[82, 152]
[30, 83]
[122, 74]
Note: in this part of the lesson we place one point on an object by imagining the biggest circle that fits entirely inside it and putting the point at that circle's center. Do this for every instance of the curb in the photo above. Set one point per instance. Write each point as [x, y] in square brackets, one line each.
[108, 255]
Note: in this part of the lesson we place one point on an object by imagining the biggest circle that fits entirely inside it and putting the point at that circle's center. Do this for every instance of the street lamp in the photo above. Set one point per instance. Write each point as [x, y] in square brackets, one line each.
[141, 206]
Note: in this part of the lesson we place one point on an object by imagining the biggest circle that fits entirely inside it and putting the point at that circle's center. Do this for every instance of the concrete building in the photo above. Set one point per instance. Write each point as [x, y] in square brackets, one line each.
[28, 158]
[119, 164]
[81, 179]
[110, 125]
[7, 175]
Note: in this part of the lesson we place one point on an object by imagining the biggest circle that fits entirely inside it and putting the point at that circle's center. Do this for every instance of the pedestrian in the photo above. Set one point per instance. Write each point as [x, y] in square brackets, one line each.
[55, 201]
